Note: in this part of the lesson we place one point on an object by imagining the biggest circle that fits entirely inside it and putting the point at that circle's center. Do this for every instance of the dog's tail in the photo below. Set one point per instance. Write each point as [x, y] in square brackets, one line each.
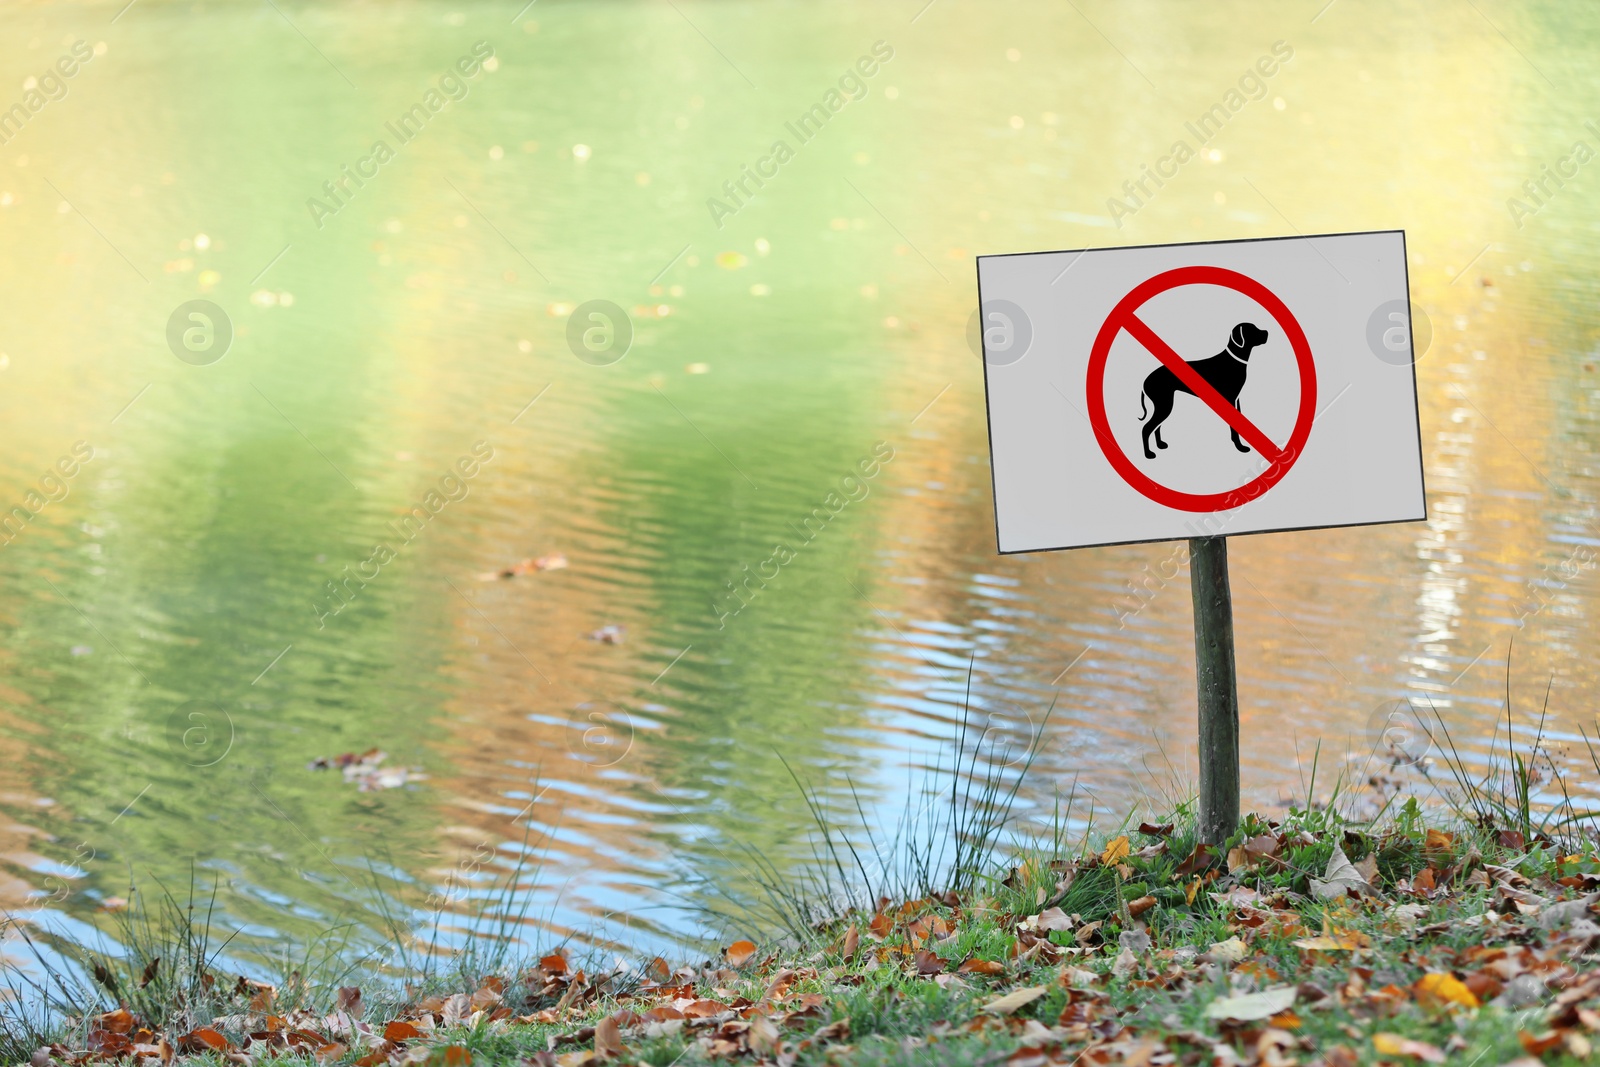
[1143, 414]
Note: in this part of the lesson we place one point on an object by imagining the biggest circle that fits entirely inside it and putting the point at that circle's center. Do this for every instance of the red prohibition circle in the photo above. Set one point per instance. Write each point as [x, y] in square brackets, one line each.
[1126, 307]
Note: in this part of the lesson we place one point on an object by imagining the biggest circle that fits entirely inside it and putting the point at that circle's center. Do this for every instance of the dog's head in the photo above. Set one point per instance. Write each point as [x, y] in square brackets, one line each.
[1246, 336]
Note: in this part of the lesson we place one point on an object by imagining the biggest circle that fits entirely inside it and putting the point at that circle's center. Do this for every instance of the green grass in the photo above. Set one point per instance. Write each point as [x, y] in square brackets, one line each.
[1156, 938]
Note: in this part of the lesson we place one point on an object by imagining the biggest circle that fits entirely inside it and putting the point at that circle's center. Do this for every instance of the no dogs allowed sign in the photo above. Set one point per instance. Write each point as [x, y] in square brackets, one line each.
[1194, 390]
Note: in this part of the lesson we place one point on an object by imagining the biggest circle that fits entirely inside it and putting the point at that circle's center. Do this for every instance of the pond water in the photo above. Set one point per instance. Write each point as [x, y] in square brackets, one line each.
[236, 580]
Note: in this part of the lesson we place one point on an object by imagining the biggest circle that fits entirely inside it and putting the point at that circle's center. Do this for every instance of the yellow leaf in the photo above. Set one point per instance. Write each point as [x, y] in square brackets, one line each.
[1194, 887]
[1439, 839]
[1116, 851]
[1395, 1045]
[1343, 943]
[1439, 989]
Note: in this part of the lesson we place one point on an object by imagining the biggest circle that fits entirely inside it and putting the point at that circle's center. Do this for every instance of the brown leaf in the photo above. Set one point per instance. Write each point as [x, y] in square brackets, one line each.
[852, 942]
[1512, 839]
[487, 995]
[1201, 858]
[1538, 1046]
[982, 967]
[455, 1009]
[662, 1012]
[1265, 845]
[702, 1009]
[838, 1030]
[928, 963]
[881, 926]
[116, 1022]
[554, 964]
[149, 974]
[1439, 840]
[104, 976]
[607, 1038]
[763, 1037]
[1164, 830]
[739, 953]
[400, 1030]
[658, 971]
[1138, 907]
[348, 1000]
[202, 1040]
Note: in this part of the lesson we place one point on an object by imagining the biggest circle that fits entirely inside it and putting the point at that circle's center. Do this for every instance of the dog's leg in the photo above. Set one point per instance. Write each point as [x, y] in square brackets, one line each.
[1240, 445]
[1161, 407]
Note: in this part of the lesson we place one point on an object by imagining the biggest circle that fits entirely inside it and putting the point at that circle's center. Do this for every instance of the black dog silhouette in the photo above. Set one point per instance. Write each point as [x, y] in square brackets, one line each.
[1225, 372]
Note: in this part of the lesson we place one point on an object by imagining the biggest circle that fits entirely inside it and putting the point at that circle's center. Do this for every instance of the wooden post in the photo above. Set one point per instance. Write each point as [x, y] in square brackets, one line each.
[1218, 691]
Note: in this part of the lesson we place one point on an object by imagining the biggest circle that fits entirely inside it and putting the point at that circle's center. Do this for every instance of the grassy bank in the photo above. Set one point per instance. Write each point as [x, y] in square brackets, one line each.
[1464, 931]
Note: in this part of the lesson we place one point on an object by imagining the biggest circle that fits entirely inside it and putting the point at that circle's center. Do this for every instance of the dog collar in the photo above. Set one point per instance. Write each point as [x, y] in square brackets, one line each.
[1230, 351]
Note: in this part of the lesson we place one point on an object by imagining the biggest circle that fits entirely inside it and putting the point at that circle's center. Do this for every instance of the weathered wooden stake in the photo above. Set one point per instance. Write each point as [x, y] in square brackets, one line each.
[1217, 688]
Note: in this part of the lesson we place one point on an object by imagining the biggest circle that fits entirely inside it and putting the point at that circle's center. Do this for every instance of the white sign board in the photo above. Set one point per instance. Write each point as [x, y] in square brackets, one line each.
[1174, 391]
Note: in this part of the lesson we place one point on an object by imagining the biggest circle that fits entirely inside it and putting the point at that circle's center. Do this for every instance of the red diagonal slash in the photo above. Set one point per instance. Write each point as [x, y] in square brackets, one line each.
[1200, 387]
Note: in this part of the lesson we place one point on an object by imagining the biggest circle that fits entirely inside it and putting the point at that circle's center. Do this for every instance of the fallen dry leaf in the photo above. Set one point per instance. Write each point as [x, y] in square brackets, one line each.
[1230, 951]
[852, 942]
[203, 1039]
[1252, 1007]
[607, 1038]
[1540, 1044]
[1340, 878]
[1443, 990]
[348, 1000]
[1116, 851]
[1327, 943]
[1015, 999]
[739, 953]
[763, 1037]
[400, 1030]
[981, 967]
[1396, 1045]
[1202, 857]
